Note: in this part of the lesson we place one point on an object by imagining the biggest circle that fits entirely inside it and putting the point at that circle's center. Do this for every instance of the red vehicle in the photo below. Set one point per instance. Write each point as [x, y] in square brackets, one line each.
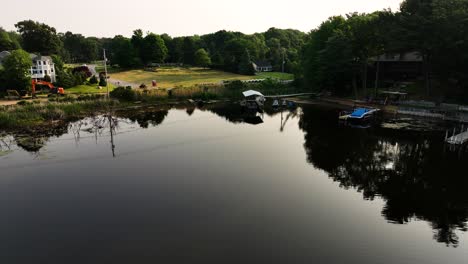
[53, 89]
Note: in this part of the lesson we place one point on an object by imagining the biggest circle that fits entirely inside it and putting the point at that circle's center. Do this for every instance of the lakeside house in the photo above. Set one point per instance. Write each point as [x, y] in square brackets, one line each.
[42, 66]
[262, 66]
[406, 66]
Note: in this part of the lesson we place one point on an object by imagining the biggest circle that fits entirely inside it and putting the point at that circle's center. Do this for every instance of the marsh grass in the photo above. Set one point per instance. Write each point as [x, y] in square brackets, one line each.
[31, 114]
[212, 92]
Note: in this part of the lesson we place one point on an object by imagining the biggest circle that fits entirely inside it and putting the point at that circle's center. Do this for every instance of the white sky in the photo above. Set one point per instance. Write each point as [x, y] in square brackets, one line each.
[106, 18]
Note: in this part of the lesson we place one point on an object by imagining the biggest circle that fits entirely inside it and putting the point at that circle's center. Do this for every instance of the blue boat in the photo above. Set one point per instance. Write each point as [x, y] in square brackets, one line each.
[360, 116]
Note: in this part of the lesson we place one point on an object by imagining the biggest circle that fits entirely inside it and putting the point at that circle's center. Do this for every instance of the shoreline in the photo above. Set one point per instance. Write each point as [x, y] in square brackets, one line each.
[44, 115]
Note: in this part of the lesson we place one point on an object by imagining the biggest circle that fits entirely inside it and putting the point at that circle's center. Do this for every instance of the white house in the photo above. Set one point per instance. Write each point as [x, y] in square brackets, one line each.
[262, 66]
[42, 66]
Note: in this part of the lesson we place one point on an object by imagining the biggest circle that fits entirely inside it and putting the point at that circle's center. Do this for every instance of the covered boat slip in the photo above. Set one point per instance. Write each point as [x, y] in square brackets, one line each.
[253, 99]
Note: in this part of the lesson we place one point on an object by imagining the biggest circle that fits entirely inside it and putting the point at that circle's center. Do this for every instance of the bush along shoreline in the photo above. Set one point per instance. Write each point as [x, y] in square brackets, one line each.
[36, 114]
[232, 91]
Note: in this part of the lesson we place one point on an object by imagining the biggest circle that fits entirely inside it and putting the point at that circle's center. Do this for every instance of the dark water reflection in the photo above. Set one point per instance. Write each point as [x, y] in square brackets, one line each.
[411, 171]
[178, 184]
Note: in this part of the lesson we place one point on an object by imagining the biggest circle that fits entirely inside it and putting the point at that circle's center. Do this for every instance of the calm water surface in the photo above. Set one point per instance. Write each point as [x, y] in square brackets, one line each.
[215, 186]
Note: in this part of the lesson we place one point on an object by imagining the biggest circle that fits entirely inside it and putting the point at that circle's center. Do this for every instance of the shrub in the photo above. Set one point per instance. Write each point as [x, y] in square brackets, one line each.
[80, 78]
[83, 70]
[47, 78]
[123, 93]
[65, 79]
[93, 80]
[236, 85]
[102, 80]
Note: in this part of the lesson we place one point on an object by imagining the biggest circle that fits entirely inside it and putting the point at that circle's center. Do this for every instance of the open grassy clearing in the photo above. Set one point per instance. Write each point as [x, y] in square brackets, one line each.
[184, 77]
[276, 75]
[88, 89]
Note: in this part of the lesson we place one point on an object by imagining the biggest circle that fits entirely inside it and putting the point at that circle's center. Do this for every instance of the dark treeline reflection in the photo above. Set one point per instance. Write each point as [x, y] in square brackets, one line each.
[410, 171]
[145, 117]
[36, 139]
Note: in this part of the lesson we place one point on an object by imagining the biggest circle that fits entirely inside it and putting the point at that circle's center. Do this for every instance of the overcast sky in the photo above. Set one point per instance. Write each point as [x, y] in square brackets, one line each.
[106, 18]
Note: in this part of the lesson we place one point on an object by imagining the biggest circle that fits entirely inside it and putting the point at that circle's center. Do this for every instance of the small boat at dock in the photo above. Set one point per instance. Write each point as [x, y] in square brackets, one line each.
[360, 116]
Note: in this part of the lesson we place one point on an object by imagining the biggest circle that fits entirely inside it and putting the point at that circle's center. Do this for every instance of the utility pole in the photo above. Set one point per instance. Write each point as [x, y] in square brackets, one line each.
[284, 60]
[105, 72]
[377, 75]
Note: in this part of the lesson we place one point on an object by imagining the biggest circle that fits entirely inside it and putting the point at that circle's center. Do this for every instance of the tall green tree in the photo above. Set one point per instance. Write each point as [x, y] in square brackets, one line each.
[137, 42]
[175, 50]
[17, 70]
[7, 42]
[202, 58]
[153, 49]
[314, 71]
[190, 46]
[122, 52]
[416, 32]
[38, 37]
[245, 64]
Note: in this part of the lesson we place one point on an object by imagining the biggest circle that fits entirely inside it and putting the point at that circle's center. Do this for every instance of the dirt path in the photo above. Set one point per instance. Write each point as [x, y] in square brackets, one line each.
[111, 80]
[14, 102]
[118, 83]
[9, 102]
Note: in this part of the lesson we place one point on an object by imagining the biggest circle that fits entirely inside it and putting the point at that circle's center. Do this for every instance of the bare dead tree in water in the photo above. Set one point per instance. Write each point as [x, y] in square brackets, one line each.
[97, 125]
[6, 143]
[113, 122]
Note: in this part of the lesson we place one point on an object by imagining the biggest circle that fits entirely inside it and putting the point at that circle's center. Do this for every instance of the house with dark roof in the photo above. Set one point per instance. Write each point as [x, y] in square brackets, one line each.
[42, 66]
[262, 66]
[405, 66]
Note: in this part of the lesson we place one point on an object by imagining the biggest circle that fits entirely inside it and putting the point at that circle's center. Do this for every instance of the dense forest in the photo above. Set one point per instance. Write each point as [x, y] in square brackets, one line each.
[230, 51]
[338, 56]
[342, 51]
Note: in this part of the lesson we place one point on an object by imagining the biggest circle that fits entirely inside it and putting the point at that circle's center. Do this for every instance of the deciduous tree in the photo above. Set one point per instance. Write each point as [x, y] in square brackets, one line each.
[17, 70]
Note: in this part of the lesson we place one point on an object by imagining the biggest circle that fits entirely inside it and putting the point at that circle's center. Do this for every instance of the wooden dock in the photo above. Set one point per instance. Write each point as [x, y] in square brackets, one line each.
[458, 139]
[289, 95]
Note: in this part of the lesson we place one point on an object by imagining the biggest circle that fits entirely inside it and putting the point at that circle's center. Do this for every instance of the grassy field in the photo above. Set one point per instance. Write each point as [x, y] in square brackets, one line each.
[276, 75]
[187, 77]
[87, 89]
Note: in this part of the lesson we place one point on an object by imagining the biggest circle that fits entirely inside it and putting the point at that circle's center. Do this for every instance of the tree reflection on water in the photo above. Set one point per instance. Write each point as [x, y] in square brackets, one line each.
[408, 170]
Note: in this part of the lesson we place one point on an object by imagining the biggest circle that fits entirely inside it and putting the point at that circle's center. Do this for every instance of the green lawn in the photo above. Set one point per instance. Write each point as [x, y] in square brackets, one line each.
[186, 77]
[87, 89]
[276, 75]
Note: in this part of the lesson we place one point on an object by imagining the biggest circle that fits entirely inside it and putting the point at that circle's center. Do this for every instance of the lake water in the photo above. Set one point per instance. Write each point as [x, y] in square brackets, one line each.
[213, 185]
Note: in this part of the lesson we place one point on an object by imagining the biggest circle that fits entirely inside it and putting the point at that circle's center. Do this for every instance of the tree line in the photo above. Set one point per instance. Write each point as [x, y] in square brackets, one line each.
[225, 50]
[340, 52]
[338, 56]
